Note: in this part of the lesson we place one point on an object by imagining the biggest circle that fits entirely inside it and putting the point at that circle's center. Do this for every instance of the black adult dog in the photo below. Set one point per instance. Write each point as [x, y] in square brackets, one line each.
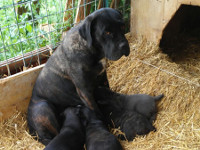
[70, 75]
[98, 136]
[72, 133]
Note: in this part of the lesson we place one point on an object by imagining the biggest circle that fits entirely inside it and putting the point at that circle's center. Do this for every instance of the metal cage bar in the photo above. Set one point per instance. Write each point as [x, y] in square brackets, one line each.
[19, 35]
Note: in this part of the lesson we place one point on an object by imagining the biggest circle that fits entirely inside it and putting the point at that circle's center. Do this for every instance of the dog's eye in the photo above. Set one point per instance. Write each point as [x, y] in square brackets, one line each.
[108, 33]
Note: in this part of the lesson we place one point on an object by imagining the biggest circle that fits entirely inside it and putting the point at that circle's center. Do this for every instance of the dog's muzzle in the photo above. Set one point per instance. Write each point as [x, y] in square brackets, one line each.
[124, 46]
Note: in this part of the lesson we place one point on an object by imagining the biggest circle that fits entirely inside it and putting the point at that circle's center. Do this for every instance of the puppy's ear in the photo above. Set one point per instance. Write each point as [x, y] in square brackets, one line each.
[159, 97]
[85, 30]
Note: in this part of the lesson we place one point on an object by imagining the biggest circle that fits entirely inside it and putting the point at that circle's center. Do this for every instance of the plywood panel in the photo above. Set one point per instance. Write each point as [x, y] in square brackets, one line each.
[16, 91]
[149, 18]
[170, 7]
[189, 2]
[146, 18]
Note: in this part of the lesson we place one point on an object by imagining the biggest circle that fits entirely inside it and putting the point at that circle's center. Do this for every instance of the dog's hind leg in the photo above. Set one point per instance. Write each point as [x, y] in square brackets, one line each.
[42, 121]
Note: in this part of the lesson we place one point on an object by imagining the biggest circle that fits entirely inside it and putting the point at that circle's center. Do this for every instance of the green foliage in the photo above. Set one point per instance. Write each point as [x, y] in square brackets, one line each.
[24, 33]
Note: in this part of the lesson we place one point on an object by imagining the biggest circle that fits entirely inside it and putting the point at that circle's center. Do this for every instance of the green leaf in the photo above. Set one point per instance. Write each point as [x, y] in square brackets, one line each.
[29, 28]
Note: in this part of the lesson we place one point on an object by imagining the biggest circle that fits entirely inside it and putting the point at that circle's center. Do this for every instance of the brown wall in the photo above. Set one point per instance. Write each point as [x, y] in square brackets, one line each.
[150, 17]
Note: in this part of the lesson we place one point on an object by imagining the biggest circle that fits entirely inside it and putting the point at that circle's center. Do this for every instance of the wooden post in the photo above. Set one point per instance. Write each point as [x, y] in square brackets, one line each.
[68, 17]
[79, 12]
[114, 4]
[100, 5]
[88, 7]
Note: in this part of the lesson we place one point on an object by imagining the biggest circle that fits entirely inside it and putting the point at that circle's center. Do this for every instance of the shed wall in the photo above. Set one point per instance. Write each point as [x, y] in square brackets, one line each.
[150, 17]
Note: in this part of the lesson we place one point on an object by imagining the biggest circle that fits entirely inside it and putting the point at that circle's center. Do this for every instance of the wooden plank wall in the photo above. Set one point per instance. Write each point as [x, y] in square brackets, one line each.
[16, 91]
[149, 18]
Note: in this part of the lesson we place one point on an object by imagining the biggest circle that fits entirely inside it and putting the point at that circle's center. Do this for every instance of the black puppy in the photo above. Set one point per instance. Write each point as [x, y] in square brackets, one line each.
[141, 103]
[72, 133]
[127, 117]
[70, 75]
[97, 135]
[132, 124]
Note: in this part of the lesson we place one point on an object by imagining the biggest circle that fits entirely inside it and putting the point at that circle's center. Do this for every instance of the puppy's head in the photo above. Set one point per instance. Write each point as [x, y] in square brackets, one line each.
[88, 116]
[104, 30]
[71, 114]
[144, 104]
[135, 124]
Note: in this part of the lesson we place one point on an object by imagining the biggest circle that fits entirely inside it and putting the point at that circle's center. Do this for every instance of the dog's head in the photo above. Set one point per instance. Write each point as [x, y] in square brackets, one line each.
[104, 30]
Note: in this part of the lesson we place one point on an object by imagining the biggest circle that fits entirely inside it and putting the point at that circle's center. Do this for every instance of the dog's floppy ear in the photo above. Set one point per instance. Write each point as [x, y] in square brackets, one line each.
[85, 30]
[159, 97]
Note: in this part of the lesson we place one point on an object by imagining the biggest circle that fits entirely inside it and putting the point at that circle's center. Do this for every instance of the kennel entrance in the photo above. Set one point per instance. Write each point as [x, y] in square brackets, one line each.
[172, 24]
[181, 37]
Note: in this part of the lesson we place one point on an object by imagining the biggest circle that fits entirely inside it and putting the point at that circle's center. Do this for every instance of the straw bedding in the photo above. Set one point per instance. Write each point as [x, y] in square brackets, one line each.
[146, 70]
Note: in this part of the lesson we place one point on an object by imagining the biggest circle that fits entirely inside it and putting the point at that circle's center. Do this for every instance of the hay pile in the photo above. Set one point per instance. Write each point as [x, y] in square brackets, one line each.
[14, 134]
[147, 70]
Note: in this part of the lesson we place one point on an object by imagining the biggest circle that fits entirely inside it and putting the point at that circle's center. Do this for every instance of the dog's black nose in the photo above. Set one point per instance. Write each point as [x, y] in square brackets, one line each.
[124, 47]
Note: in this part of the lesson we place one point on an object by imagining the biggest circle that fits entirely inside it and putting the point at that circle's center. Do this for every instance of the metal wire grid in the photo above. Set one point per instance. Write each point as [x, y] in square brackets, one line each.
[36, 37]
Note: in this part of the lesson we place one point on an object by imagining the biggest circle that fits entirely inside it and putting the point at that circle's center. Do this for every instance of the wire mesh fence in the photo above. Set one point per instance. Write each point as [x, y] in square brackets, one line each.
[30, 30]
